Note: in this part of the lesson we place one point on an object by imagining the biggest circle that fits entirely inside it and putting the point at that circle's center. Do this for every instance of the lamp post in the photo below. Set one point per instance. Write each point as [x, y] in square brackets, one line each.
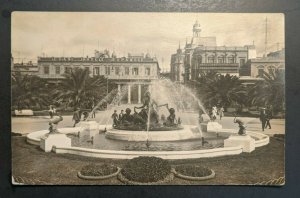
[107, 85]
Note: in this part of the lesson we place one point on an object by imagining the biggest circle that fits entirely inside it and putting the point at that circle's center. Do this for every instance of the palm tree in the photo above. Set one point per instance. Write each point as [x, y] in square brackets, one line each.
[220, 89]
[78, 89]
[270, 91]
[28, 91]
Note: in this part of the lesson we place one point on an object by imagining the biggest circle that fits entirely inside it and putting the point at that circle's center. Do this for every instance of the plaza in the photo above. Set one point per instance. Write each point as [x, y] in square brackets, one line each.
[32, 166]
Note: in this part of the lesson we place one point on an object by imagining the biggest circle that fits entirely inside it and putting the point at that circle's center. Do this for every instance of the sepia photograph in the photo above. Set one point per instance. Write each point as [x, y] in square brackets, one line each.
[147, 98]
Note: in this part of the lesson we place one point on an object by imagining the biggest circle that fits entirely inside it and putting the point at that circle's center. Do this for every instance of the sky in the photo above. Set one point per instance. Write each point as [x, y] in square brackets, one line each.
[81, 33]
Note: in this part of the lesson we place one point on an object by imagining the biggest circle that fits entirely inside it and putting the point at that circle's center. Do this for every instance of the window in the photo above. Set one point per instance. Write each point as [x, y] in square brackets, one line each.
[126, 70]
[68, 70]
[117, 70]
[211, 59]
[231, 59]
[221, 59]
[97, 71]
[260, 73]
[242, 62]
[135, 71]
[87, 68]
[147, 71]
[57, 70]
[199, 59]
[46, 69]
[107, 70]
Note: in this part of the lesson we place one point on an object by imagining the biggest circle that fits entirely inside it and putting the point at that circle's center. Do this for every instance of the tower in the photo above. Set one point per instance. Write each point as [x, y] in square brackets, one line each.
[196, 29]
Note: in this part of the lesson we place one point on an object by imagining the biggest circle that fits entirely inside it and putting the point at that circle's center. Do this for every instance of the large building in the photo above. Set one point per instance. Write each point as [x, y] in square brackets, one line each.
[202, 54]
[135, 71]
[257, 66]
[28, 68]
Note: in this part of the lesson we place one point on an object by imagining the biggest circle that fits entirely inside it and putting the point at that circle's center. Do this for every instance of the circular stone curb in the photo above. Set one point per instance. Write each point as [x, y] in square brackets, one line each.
[212, 175]
[123, 179]
[98, 177]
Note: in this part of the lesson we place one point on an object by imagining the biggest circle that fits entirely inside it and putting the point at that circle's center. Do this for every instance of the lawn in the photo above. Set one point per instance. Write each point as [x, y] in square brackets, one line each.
[32, 166]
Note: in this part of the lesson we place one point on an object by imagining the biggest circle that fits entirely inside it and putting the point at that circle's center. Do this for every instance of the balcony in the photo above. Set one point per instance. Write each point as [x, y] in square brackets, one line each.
[218, 65]
[51, 76]
[131, 77]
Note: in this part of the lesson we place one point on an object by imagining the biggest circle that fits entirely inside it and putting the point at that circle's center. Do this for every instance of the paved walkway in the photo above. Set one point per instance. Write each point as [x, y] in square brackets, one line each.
[26, 125]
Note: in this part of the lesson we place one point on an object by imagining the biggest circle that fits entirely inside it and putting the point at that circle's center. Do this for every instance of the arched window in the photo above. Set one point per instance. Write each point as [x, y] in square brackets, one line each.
[199, 60]
[231, 59]
[221, 59]
[211, 59]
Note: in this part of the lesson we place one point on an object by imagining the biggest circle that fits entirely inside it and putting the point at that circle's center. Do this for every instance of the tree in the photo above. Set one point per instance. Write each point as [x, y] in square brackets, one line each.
[220, 89]
[78, 89]
[270, 91]
[28, 91]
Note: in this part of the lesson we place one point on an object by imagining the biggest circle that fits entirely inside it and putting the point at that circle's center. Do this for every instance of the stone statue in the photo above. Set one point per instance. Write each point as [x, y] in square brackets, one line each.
[171, 119]
[149, 107]
[53, 124]
[242, 130]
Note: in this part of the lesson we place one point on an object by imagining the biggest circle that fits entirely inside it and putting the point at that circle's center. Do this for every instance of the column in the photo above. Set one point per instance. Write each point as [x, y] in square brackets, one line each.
[119, 88]
[129, 94]
[139, 93]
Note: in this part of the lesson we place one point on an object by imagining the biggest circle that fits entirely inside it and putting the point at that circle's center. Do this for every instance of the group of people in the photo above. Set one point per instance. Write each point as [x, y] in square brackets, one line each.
[77, 115]
[216, 112]
[265, 117]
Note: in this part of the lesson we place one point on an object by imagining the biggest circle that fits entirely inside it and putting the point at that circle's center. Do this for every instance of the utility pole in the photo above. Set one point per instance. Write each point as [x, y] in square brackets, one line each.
[266, 36]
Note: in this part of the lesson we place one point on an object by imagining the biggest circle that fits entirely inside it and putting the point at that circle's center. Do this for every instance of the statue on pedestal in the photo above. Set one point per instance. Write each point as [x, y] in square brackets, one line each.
[242, 130]
[53, 124]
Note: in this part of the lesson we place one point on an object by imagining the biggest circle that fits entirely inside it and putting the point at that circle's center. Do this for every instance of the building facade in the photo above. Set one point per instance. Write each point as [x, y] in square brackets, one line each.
[135, 72]
[202, 54]
[25, 68]
[257, 66]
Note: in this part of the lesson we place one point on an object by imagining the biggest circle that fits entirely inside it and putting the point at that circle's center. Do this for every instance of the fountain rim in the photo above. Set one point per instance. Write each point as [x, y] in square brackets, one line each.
[34, 138]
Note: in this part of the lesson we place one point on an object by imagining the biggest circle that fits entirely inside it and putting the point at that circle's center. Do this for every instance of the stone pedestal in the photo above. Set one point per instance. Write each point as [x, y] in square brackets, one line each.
[57, 139]
[89, 127]
[211, 127]
[245, 141]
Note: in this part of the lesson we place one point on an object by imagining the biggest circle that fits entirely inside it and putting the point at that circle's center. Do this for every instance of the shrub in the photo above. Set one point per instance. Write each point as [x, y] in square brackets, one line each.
[146, 169]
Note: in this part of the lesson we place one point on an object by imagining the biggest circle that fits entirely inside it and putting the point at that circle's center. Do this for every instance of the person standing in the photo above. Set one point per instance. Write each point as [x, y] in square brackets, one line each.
[114, 116]
[121, 114]
[268, 117]
[263, 118]
[214, 113]
[93, 110]
[221, 112]
[76, 116]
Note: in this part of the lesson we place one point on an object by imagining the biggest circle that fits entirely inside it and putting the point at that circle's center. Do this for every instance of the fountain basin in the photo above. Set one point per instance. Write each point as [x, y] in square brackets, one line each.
[187, 132]
[259, 140]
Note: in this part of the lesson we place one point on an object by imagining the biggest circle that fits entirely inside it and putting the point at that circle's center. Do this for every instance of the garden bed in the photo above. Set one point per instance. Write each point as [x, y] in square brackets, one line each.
[146, 170]
[193, 172]
[94, 171]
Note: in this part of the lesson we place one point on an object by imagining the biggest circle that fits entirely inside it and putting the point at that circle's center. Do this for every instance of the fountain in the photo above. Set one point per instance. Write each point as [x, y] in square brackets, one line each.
[161, 126]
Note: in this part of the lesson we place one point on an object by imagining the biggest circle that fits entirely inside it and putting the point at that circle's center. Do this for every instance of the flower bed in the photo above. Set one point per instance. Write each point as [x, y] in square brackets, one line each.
[94, 171]
[193, 172]
[146, 170]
